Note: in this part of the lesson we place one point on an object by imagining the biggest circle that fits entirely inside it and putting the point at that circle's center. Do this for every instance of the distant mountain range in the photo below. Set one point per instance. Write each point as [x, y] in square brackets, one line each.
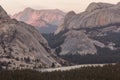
[46, 21]
[92, 36]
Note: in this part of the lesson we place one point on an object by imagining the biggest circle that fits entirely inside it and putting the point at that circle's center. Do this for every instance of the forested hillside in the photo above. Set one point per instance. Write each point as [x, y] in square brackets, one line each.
[109, 72]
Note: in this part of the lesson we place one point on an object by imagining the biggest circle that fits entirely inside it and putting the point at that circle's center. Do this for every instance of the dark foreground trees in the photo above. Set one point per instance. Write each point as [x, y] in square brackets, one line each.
[109, 72]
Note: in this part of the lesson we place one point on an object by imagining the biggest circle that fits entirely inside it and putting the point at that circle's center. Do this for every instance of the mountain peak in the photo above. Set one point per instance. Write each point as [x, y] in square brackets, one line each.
[96, 6]
[118, 4]
[1, 9]
[3, 13]
[70, 14]
[45, 20]
[28, 9]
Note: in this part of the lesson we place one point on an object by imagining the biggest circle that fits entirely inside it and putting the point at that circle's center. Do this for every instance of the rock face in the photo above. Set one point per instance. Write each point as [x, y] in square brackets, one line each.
[98, 25]
[21, 45]
[77, 42]
[97, 6]
[96, 15]
[46, 21]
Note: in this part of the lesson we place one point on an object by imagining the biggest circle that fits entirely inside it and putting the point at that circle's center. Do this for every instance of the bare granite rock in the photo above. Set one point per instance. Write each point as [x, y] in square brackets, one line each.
[97, 26]
[22, 46]
[96, 15]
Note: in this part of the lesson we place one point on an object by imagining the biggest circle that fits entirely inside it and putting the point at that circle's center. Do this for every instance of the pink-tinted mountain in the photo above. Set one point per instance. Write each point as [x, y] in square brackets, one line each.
[46, 21]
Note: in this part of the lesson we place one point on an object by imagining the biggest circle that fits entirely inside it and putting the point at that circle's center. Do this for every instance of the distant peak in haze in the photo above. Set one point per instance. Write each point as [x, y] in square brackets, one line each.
[45, 20]
[28, 8]
[56, 10]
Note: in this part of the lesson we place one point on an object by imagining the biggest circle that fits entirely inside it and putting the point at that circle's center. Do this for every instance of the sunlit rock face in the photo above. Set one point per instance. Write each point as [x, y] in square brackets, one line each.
[46, 21]
[77, 42]
[96, 15]
[97, 26]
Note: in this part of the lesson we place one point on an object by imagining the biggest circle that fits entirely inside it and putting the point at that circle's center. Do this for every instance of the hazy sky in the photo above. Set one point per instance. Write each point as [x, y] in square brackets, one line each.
[13, 6]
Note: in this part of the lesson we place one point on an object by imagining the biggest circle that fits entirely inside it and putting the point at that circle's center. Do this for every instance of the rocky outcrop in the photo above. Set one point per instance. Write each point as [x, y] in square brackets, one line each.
[77, 42]
[46, 21]
[21, 46]
[97, 26]
[96, 15]
[97, 6]
[65, 22]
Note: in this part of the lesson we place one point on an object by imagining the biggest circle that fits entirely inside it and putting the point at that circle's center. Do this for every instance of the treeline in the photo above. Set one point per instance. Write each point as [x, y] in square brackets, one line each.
[108, 72]
[104, 55]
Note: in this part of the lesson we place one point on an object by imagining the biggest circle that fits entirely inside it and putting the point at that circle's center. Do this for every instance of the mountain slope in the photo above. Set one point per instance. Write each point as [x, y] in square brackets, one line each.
[95, 29]
[95, 16]
[46, 21]
[21, 45]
